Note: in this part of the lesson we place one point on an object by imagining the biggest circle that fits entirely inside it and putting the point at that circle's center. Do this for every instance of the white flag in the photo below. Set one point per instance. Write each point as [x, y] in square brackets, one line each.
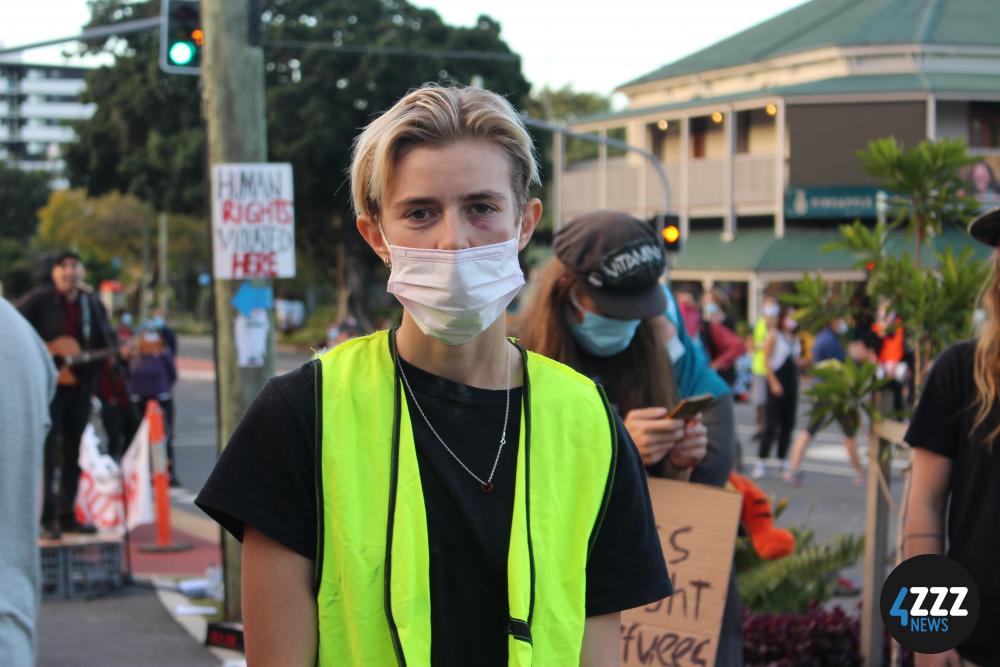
[138, 480]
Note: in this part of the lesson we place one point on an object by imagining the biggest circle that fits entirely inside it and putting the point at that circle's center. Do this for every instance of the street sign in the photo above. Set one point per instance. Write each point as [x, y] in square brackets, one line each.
[253, 221]
[831, 202]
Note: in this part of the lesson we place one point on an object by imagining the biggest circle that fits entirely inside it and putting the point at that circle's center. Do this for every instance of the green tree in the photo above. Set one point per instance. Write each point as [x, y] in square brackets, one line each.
[147, 137]
[108, 232]
[926, 182]
[22, 193]
[935, 306]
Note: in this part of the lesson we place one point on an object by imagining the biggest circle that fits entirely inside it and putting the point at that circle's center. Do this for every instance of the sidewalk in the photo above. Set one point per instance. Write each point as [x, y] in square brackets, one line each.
[137, 625]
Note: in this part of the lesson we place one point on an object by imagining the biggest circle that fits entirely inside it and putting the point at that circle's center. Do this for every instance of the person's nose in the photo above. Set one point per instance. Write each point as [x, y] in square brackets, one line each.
[453, 230]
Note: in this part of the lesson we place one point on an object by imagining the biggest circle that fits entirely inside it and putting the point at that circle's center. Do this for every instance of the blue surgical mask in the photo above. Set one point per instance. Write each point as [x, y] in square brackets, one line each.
[602, 336]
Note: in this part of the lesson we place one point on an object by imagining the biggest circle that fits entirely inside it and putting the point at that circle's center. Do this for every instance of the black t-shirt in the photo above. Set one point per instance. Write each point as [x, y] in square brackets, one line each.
[266, 478]
[942, 424]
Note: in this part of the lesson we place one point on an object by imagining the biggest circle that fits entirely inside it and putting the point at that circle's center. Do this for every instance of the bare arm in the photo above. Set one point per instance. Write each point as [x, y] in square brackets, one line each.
[924, 532]
[601, 641]
[279, 609]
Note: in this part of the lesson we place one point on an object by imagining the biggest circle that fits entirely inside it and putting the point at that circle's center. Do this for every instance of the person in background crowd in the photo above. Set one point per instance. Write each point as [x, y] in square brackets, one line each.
[721, 343]
[615, 332]
[612, 326]
[782, 354]
[152, 374]
[29, 383]
[953, 506]
[382, 491]
[758, 390]
[158, 323]
[690, 313]
[68, 308]
[827, 346]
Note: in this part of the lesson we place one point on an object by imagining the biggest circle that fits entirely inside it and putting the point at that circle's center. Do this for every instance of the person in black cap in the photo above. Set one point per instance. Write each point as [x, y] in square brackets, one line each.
[598, 306]
[956, 466]
[67, 312]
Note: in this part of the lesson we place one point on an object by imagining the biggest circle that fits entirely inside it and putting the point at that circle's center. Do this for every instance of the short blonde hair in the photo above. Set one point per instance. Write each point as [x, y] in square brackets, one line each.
[439, 115]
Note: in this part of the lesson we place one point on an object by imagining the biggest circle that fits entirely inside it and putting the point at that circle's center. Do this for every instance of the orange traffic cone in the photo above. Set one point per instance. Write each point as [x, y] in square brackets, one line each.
[161, 482]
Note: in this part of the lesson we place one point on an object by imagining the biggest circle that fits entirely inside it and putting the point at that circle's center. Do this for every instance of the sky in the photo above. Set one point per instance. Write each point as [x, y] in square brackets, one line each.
[591, 46]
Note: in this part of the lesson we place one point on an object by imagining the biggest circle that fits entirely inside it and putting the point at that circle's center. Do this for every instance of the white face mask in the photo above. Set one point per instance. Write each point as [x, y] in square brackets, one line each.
[455, 295]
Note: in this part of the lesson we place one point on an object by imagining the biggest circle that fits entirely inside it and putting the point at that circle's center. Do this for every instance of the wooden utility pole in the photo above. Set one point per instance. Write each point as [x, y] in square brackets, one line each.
[161, 264]
[232, 74]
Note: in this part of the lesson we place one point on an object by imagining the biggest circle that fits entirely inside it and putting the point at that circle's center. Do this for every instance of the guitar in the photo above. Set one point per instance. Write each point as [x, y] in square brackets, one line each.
[66, 352]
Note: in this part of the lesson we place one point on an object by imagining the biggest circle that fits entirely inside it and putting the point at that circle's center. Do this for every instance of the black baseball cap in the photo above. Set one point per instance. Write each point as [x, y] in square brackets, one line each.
[986, 228]
[618, 260]
[66, 254]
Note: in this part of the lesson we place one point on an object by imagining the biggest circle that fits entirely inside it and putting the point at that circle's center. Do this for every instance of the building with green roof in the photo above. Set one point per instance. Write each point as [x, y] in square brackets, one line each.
[759, 133]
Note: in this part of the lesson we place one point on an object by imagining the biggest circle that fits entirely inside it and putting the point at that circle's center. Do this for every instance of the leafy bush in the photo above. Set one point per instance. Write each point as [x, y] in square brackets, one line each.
[817, 638]
[797, 581]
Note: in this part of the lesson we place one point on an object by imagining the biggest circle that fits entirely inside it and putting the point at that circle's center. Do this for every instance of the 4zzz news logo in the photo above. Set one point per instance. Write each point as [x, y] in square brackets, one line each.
[930, 604]
[920, 619]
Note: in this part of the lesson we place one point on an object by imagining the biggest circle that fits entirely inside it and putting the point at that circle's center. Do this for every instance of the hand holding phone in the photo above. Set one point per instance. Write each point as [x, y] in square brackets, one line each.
[689, 408]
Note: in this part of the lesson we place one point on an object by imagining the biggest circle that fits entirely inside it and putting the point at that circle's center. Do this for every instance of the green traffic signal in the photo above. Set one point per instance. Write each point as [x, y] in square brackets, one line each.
[182, 53]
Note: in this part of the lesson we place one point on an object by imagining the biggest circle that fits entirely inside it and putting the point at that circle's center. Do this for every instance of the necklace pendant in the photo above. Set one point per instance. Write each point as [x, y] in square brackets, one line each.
[487, 487]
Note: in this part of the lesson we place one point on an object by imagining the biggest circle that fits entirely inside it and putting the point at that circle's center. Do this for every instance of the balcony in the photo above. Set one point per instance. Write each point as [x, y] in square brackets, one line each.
[57, 110]
[52, 86]
[47, 133]
[753, 187]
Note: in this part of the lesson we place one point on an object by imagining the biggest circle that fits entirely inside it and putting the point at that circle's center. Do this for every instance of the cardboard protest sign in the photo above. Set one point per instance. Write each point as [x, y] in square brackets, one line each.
[253, 221]
[697, 529]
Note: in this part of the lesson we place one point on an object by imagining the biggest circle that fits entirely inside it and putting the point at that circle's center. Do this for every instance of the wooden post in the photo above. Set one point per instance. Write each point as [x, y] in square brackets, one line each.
[233, 101]
[161, 264]
[877, 515]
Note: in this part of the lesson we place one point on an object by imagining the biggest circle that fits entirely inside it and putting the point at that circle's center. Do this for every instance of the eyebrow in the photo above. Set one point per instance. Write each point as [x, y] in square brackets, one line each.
[474, 196]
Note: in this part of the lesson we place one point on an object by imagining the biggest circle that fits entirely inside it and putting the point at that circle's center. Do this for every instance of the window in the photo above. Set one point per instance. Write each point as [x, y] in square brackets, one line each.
[699, 128]
[984, 125]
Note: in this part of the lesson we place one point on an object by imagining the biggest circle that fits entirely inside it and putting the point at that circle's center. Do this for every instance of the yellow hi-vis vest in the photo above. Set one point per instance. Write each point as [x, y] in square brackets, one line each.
[373, 597]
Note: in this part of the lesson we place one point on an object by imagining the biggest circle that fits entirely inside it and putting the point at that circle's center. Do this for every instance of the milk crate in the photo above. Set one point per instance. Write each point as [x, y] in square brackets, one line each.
[75, 567]
[54, 585]
[93, 567]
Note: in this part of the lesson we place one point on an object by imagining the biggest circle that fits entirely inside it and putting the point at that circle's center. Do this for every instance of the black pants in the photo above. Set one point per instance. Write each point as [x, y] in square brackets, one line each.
[779, 417]
[69, 411]
[167, 405]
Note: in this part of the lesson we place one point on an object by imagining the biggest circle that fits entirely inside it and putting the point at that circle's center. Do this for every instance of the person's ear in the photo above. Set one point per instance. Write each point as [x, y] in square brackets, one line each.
[372, 235]
[529, 220]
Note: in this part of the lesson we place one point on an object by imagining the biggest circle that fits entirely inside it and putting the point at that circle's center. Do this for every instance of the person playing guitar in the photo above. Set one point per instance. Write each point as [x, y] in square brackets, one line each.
[72, 322]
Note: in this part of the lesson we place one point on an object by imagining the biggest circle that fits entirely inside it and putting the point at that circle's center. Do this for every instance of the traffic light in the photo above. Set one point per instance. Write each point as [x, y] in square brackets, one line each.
[671, 234]
[181, 37]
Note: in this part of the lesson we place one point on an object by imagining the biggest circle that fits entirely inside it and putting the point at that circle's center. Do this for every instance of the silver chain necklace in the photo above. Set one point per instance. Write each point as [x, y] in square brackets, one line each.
[487, 485]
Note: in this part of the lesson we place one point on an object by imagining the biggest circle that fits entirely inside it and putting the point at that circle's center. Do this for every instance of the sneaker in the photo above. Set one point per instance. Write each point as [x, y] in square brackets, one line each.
[52, 533]
[846, 587]
[786, 465]
[758, 471]
[81, 528]
[793, 477]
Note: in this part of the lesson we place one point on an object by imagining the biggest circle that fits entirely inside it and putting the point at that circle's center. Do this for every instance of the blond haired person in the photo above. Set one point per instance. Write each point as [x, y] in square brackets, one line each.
[956, 467]
[436, 494]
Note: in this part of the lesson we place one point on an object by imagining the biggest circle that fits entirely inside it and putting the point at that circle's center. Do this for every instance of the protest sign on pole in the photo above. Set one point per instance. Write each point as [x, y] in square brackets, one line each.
[253, 221]
[683, 629]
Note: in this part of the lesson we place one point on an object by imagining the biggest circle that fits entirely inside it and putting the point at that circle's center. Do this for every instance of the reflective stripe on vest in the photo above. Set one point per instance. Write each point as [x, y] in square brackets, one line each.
[373, 596]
